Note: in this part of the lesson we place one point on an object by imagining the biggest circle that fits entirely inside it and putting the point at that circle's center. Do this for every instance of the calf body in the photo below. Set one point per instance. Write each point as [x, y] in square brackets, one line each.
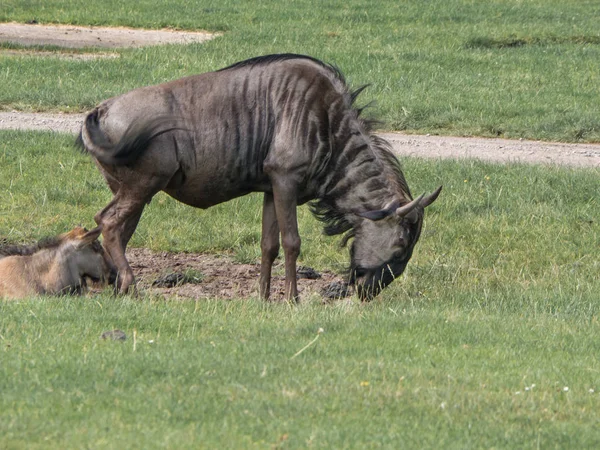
[58, 266]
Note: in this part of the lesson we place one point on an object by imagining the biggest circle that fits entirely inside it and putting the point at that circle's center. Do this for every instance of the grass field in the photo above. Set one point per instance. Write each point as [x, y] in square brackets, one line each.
[498, 68]
[412, 374]
[489, 339]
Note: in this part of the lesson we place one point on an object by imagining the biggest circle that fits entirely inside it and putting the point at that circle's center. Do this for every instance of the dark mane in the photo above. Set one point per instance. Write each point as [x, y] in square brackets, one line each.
[337, 222]
[25, 250]
[269, 59]
[324, 210]
[383, 150]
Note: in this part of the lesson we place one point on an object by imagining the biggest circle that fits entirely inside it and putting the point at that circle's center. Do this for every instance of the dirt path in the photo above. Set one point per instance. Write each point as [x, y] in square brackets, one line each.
[495, 150]
[69, 36]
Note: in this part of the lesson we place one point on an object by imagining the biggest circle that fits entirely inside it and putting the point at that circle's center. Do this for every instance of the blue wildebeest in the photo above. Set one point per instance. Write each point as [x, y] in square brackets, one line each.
[283, 125]
[54, 266]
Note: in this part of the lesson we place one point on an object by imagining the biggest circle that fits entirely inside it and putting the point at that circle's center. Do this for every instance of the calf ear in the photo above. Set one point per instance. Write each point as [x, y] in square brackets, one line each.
[75, 233]
[91, 236]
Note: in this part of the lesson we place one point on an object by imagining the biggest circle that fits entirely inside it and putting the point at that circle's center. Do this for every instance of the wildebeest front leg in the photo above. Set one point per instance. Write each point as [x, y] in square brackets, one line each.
[269, 244]
[284, 195]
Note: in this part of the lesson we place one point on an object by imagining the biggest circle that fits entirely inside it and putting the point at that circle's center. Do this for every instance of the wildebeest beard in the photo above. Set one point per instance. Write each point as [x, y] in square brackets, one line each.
[376, 279]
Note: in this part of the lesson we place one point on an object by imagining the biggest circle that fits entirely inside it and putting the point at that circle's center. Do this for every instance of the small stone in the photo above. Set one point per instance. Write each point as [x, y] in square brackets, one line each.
[335, 290]
[307, 272]
[115, 335]
[169, 280]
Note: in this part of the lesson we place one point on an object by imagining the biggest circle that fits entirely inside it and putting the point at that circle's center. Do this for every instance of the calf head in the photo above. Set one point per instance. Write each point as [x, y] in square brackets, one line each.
[86, 257]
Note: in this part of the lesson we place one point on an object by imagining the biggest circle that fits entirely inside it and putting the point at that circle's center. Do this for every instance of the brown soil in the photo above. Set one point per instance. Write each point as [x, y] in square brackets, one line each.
[217, 276]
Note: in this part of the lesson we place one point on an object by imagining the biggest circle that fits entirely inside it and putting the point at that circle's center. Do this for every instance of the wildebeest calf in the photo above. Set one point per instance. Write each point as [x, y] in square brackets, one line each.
[55, 266]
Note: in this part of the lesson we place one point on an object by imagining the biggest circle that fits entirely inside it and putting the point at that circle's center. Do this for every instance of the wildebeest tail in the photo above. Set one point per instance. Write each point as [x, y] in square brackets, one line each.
[132, 144]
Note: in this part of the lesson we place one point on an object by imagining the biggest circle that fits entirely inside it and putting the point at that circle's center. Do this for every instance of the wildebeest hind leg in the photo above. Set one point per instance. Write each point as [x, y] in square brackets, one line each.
[269, 244]
[119, 220]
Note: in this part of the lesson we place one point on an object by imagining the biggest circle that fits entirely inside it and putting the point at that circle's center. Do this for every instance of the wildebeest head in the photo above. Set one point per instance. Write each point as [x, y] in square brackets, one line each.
[383, 244]
[85, 256]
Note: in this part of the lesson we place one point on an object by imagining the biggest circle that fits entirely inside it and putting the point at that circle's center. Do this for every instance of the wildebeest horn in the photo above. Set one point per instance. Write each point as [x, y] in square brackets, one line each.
[403, 211]
[431, 197]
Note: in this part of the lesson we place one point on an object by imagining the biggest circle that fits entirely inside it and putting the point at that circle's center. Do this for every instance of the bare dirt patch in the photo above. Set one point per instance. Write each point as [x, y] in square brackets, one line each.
[69, 36]
[218, 276]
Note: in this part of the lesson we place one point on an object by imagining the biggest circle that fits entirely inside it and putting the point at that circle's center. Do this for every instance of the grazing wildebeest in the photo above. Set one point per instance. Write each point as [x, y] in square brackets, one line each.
[279, 124]
[54, 266]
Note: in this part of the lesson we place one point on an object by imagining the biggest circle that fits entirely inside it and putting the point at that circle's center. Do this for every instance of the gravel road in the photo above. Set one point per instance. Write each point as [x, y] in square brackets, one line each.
[495, 150]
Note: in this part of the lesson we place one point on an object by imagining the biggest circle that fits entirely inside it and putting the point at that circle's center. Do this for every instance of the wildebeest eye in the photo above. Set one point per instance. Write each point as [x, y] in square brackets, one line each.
[403, 239]
[399, 254]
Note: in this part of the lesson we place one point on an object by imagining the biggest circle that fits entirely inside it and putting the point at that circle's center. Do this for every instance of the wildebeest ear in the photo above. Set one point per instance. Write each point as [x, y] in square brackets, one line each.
[380, 213]
[91, 236]
[375, 215]
[413, 216]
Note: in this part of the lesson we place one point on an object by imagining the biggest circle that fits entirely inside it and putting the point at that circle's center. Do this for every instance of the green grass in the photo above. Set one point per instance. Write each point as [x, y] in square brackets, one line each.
[498, 68]
[475, 346]
[424, 374]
